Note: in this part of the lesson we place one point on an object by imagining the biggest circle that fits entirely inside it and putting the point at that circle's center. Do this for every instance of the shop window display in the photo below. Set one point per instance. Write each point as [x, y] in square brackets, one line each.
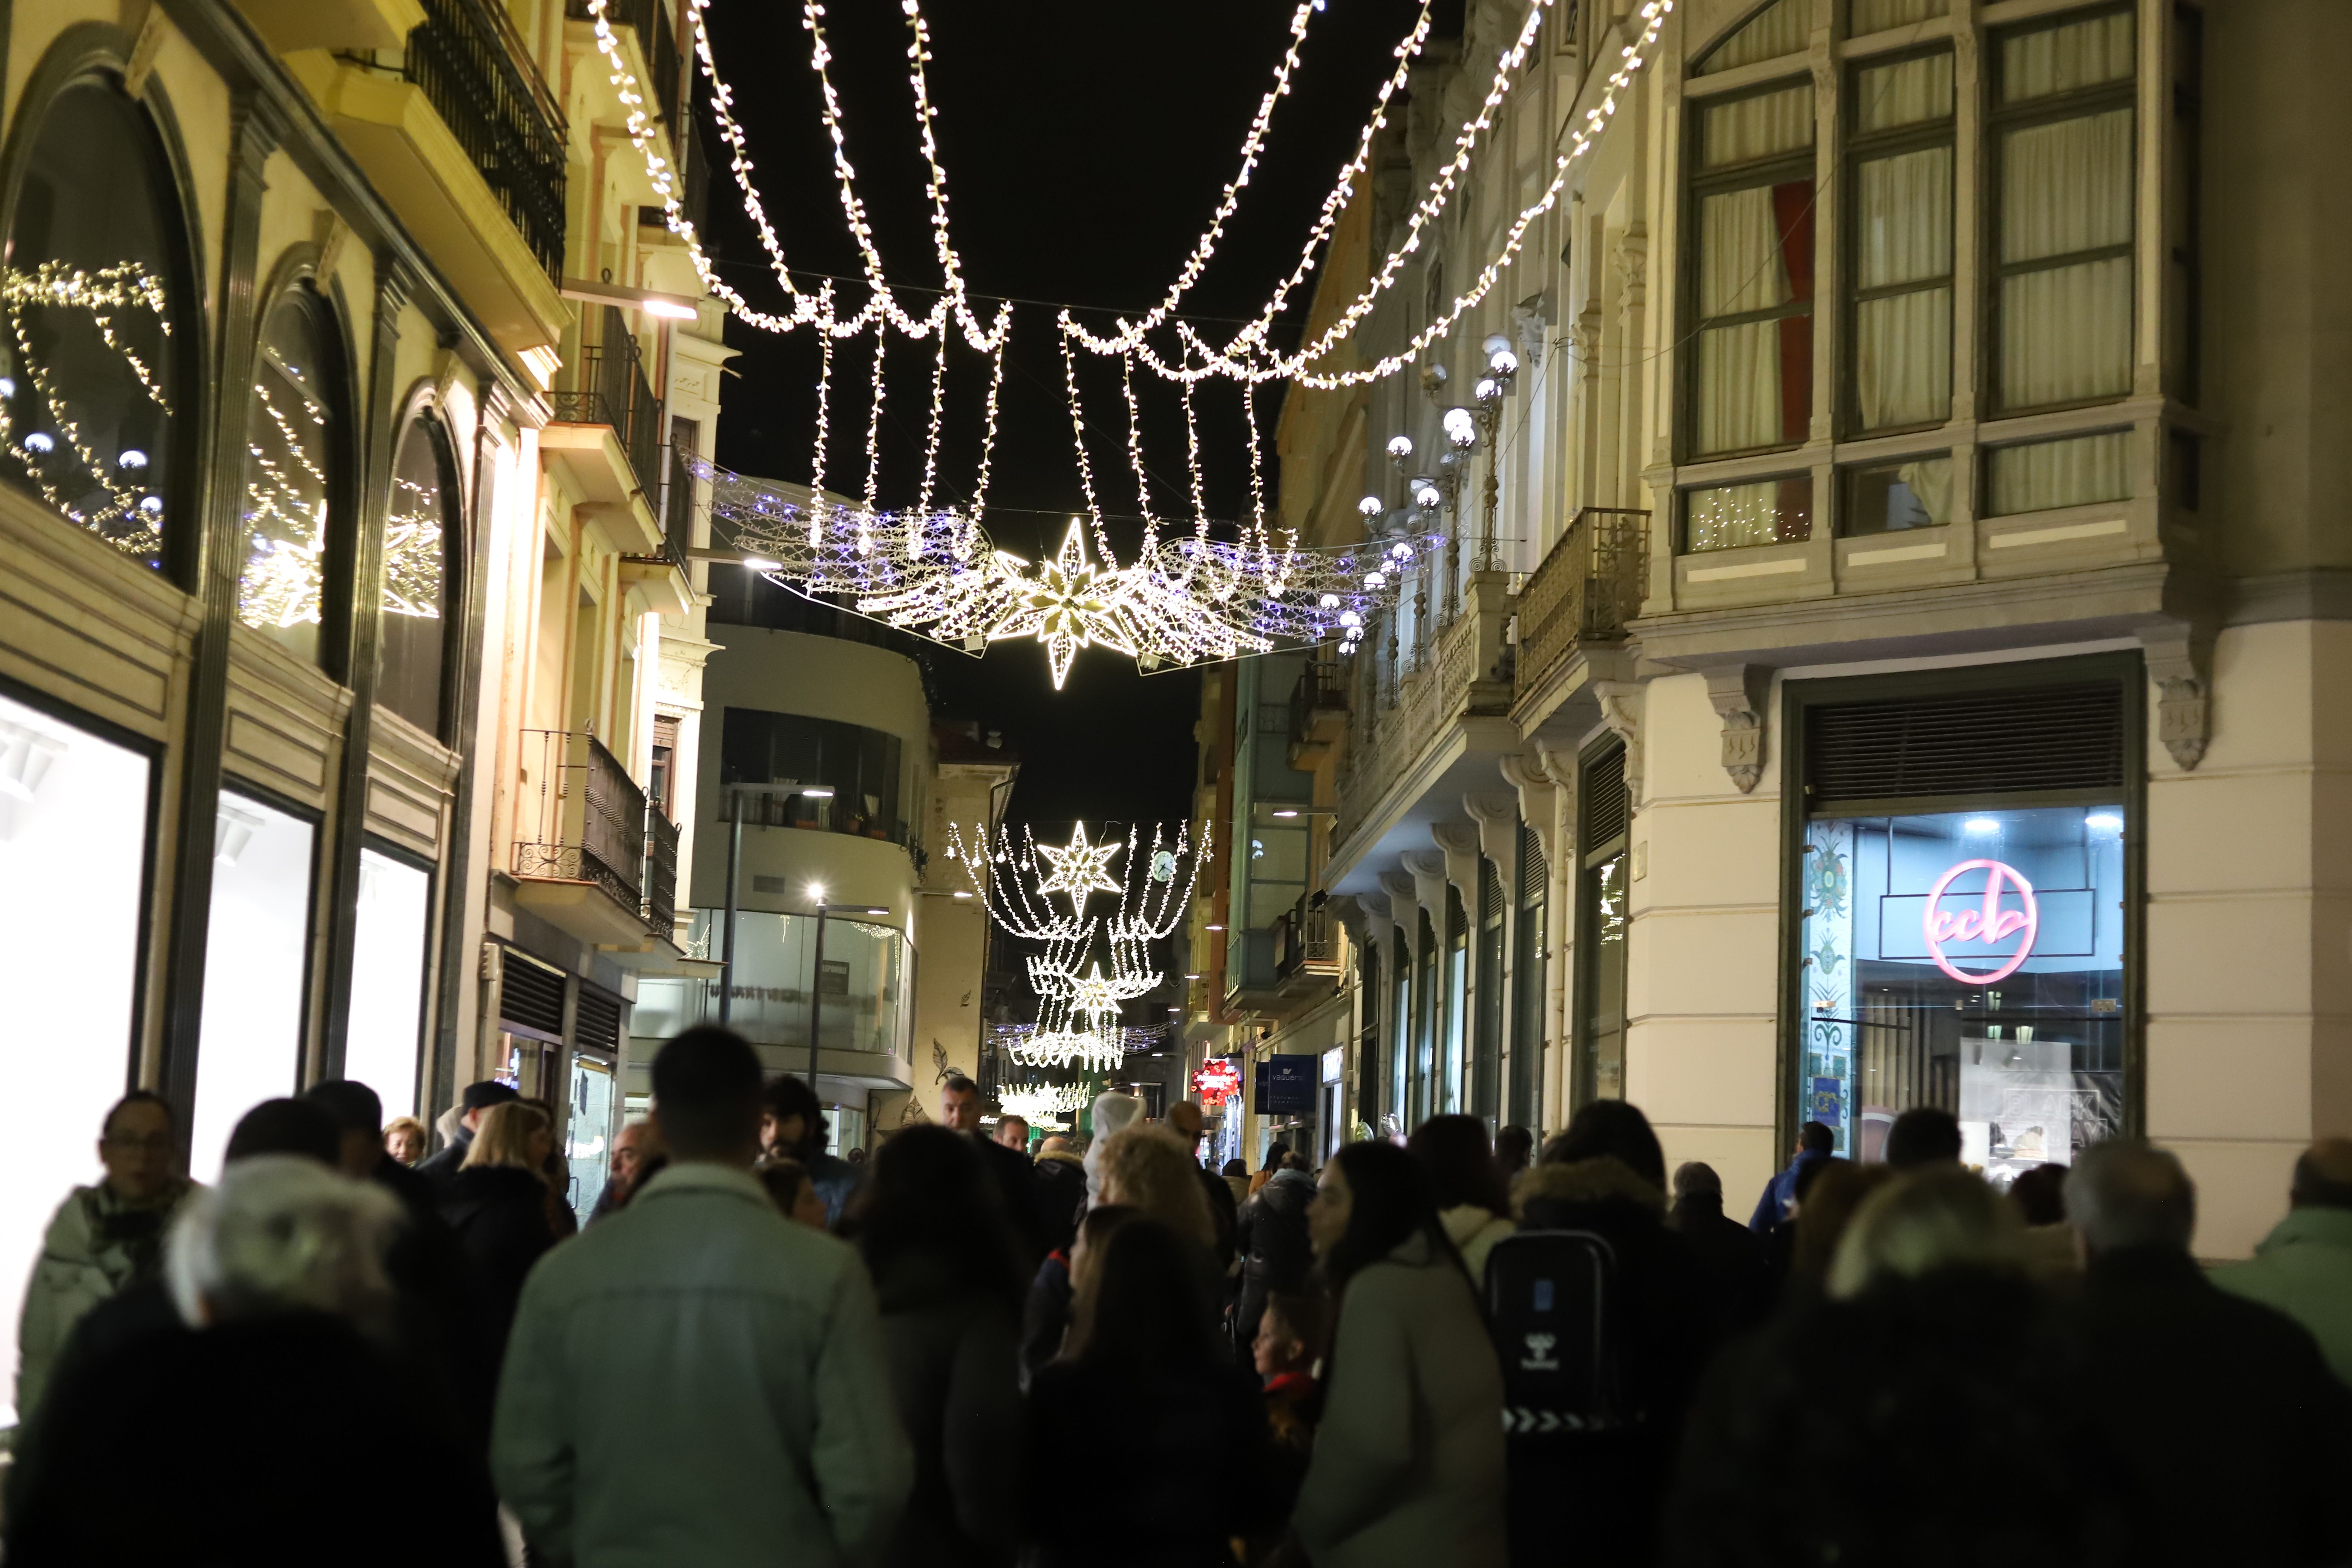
[1972, 961]
[388, 979]
[257, 951]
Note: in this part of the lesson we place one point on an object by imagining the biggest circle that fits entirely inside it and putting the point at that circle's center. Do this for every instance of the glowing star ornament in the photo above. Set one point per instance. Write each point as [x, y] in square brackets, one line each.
[1080, 868]
[1073, 604]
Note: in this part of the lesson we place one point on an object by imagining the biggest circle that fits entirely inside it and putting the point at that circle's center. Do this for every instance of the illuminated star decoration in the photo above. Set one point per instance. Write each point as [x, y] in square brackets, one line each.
[1081, 867]
[1093, 996]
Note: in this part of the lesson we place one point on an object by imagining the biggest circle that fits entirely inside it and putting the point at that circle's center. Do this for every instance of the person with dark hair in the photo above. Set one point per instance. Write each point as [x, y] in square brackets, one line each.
[2169, 1360]
[104, 1238]
[696, 1371]
[1146, 1369]
[1409, 1460]
[1924, 1135]
[1270, 1235]
[947, 1273]
[1293, 1334]
[1514, 1151]
[1277, 1151]
[1473, 1202]
[1184, 1121]
[788, 1183]
[1016, 1178]
[285, 1127]
[478, 1097]
[1729, 1255]
[2304, 1267]
[1054, 1293]
[1815, 1142]
[793, 1127]
[2040, 1197]
[1605, 1176]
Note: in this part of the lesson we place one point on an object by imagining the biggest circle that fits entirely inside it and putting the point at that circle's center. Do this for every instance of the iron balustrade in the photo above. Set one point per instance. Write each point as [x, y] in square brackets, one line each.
[659, 906]
[1304, 941]
[1586, 590]
[656, 35]
[609, 387]
[677, 504]
[587, 820]
[1322, 689]
[478, 76]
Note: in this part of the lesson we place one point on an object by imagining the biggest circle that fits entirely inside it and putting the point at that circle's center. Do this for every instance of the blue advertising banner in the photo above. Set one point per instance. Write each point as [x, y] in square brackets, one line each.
[1286, 1085]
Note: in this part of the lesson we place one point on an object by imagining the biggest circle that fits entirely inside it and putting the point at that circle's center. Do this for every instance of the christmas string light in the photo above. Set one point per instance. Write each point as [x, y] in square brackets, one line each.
[120, 482]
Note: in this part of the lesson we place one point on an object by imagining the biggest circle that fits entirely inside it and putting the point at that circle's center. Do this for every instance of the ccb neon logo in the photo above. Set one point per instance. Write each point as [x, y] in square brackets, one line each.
[1987, 923]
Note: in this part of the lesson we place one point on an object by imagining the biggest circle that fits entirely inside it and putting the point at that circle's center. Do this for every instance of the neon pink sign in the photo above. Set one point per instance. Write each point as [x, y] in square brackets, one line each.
[1987, 923]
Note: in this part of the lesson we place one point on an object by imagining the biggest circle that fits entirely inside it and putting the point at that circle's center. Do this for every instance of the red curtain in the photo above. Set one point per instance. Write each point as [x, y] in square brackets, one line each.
[1792, 215]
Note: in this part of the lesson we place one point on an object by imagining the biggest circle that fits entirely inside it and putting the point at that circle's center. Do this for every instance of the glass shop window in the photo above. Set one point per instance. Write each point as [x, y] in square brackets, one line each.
[1967, 960]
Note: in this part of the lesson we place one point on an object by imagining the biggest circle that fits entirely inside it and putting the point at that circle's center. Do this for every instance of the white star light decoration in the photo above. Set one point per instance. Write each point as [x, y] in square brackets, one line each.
[1079, 869]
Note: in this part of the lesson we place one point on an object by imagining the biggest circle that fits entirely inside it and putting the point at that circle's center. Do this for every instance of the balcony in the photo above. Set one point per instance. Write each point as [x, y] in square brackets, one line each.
[1583, 594]
[593, 855]
[1305, 945]
[1319, 711]
[605, 438]
[467, 143]
[1435, 695]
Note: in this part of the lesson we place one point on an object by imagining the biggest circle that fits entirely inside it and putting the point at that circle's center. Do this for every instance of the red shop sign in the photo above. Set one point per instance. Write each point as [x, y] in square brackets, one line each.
[1988, 923]
[1217, 1082]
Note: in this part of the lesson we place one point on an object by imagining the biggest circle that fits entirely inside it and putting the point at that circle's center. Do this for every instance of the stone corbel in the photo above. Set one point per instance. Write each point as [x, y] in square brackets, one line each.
[1349, 912]
[1737, 691]
[1538, 793]
[1497, 813]
[1403, 893]
[1621, 713]
[2181, 662]
[1531, 324]
[1458, 842]
[1427, 870]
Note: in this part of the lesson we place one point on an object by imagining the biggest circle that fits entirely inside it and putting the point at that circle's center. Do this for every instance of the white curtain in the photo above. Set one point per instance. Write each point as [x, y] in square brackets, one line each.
[1903, 342]
[1740, 265]
[1730, 516]
[1741, 268]
[1758, 127]
[2066, 332]
[1868, 17]
[1782, 29]
[1929, 480]
[1905, 93]
[2049, 474]
[2062, 59]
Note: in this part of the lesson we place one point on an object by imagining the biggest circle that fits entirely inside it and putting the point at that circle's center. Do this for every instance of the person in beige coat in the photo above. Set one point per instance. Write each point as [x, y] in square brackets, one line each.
[1409, 1464]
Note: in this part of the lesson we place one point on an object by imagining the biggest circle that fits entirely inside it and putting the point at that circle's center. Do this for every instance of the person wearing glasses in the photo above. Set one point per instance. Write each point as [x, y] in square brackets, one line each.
[103, 1238]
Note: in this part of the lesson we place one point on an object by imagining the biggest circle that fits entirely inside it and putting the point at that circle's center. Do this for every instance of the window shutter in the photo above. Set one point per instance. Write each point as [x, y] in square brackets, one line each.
[2047, 738]
[531, 999]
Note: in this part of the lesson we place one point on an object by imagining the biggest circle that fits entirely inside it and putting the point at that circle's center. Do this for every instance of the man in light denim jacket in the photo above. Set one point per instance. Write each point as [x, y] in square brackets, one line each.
[695, 1380]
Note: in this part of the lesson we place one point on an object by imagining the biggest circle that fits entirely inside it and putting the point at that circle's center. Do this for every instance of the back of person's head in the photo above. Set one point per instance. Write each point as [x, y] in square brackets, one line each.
[1452, 1150]
[483, 1095]
[1150, 1168]
[1294, 1161]
[1924, 1135]
[706, 1097]
[354, 1106]
[1274, 1153]
[930, 1207]
[1801, 1187]
[504, 1137]
[1922, 1221]
[1184, 1117]
[2124, 1193]
[1816, 1137]
[1694, 1180]
[1390, 1202]
[285, 1127]
[2323, 1176]
[1236, 1168]
[1829, 1191]
[2040, 1195]
[1114, 1113]
[1615, 1128]
[1151, 1311]
[281, 1233]
[1514, 1147]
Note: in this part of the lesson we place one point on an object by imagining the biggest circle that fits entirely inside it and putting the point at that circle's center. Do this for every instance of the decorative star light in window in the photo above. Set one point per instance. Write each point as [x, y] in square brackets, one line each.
[1080, 868]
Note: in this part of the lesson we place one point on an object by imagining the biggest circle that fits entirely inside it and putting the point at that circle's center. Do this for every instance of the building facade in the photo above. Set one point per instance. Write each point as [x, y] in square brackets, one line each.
[1874, 635]
[348, 620]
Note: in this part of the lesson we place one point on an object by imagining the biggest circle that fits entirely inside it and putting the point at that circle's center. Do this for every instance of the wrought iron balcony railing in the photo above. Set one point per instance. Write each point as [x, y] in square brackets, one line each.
[1587, 589]
[609, 387]
[1322, 689]
[659, 904]
[479, 75]
[584, 818]
[678, 503]
[1304, 941]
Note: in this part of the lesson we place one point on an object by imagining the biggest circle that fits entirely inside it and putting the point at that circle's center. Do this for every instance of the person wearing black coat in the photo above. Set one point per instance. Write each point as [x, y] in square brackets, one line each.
[442, 1166]
[1733, 1257]
[497, 1204]
[947, 1276]
[1270, 1234]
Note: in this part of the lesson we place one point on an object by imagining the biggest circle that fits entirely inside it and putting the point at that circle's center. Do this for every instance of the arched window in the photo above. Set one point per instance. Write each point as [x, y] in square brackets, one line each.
[420, 528]
[91, 367]
[293, 446]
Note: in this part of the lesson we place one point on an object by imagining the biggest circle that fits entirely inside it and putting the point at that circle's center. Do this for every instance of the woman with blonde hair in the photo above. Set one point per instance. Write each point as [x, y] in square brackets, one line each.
[1933, 1219]
[1148, 1168]
[404, 1140]
[497, 1204]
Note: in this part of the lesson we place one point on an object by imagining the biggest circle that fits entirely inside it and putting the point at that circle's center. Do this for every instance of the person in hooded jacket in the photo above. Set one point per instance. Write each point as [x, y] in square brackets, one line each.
[1472, 1202]
[497, 1204]
[1060, 1192]
[1606, 1176]
[945, 1263]
[1270, 1235]
[1409, 1460]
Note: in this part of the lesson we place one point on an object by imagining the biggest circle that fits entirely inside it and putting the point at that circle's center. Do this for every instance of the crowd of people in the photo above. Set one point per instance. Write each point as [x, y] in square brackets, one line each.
[983, 1347]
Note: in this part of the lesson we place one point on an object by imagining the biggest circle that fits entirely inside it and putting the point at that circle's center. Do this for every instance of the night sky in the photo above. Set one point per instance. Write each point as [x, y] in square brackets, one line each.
[1086, 147]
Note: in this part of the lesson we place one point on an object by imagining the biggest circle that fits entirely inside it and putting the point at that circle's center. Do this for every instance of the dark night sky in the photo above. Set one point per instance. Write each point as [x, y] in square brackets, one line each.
[1086, 146]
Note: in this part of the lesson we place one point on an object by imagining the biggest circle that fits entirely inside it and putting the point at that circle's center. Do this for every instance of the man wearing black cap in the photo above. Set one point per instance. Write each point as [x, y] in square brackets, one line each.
[478, 1099]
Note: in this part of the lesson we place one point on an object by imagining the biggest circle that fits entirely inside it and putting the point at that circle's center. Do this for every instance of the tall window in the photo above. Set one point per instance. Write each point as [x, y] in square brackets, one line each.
[2062, 133]
[1753, 377]
[1424, 1101]
[1529, 984]
[1401, 1040]
[1901, 336]
[1601, 922]
[1458, 1003]
[92, 371]
[292, 444]
[1486, 1041]
[419, 531]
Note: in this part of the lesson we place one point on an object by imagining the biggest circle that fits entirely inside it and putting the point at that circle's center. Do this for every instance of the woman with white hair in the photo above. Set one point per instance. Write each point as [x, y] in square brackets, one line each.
[269, 1427]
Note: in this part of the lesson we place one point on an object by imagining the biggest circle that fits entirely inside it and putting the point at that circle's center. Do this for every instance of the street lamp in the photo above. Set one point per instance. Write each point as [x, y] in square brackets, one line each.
[816, 965]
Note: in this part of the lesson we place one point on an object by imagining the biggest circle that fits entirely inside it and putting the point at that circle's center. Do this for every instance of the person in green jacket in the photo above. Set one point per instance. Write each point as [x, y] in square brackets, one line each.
[2304, 1268]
